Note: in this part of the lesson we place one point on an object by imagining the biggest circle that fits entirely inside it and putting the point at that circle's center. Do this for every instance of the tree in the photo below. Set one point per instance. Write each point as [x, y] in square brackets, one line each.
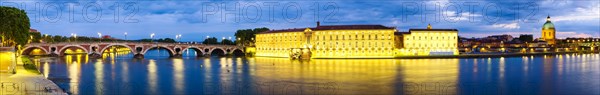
[246, 36]
[227, 42]
[145, 40]
[14, 26]
[36, 37]
[212, 40]
[166, 40]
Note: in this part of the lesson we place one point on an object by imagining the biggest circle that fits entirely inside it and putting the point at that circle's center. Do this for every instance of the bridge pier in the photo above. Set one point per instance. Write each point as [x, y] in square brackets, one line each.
[206, 55]
[95, 55]
[139, 56]
[53, 55]
[176, 56]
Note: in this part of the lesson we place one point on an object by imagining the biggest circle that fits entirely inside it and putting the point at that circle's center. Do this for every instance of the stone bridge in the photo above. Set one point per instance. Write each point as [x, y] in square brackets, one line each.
[137, 48]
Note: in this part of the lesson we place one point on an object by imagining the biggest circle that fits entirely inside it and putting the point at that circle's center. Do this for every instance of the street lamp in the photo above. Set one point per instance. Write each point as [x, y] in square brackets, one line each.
[125, 35]
[100, 36]
[222, 40]
[178, 37]
[152, 37]
[75, 35]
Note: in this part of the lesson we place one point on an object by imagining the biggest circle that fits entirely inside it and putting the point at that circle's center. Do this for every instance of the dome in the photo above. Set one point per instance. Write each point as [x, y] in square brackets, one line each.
[548, 24]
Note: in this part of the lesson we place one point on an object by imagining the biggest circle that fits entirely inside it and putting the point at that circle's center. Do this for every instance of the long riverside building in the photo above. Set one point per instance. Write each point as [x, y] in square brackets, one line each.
[328, 41]
[353, 41]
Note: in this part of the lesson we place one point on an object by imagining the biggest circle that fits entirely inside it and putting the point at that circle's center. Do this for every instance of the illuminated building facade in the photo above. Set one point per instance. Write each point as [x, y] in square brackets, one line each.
[548, 32]
[423, 42]
[330, 41]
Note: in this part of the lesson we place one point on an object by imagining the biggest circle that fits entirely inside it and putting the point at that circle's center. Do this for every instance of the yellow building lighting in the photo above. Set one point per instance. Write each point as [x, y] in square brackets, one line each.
[420, 42]
[549, 32]
[7, 61]
[332, 41]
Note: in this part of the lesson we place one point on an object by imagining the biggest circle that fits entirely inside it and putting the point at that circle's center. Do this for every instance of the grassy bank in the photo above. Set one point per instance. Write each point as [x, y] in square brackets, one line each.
[28, 65]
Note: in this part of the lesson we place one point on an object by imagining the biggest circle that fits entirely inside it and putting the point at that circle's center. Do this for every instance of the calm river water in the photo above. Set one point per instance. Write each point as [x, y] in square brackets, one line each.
[122, 74]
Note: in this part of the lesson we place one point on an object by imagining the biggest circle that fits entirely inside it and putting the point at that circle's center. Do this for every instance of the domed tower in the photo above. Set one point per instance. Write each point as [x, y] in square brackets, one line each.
[548, 32]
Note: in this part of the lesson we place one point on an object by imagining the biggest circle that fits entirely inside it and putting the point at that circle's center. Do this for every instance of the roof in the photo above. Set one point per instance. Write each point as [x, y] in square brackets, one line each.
[548, 25]
[332, 27]
[343, 27]
[284, 30]
[33, 30]
[432, 30]
[400, 33]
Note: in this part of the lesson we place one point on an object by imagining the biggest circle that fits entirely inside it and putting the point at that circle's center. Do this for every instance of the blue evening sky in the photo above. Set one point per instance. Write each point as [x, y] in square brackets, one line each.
[196, 19]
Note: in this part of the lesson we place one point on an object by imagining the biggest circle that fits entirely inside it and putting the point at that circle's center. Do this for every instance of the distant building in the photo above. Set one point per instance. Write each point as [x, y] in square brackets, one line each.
[549, 32]
[106, 37]
[525, 37]
[429, 42]
[504, 37]
[34, 30]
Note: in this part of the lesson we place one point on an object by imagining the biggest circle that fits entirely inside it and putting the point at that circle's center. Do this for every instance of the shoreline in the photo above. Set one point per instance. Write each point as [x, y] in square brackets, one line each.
[30, 82]
[487, 55]
[496, 55]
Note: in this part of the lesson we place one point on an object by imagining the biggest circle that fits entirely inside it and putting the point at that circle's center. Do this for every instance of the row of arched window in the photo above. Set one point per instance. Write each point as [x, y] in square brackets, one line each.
[431, 38]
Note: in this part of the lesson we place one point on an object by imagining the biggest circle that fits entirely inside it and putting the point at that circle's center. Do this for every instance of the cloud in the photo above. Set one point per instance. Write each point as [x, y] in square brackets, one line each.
[562, 35]
[453, 16]
[513, 25]
[442, 3]
[581, 13]
[577, 18]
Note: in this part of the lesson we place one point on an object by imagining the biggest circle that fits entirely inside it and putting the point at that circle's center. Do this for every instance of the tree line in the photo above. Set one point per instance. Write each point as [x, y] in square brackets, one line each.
[246, 37]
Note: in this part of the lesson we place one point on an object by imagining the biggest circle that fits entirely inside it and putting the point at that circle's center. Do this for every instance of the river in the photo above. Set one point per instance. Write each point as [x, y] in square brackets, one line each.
[122, 74]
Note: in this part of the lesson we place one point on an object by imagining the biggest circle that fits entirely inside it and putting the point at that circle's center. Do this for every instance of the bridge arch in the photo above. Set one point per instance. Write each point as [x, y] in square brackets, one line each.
[171, 51]
[237, 52]
[62, 50]
[28, 50]
[199, 51]
[219, 51]
[123, 45]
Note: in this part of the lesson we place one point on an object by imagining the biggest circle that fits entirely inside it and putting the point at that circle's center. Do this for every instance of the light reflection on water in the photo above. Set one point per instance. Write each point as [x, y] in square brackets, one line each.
[121, 74]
